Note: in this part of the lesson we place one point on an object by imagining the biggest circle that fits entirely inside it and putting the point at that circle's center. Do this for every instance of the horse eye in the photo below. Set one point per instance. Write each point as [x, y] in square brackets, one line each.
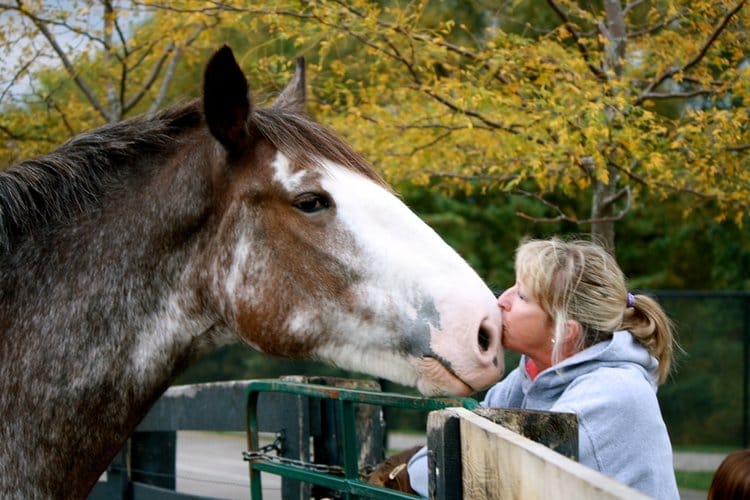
[311, 203]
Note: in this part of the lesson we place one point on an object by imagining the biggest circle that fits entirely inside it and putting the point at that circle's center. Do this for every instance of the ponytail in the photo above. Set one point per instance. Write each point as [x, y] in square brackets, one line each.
[650, 326]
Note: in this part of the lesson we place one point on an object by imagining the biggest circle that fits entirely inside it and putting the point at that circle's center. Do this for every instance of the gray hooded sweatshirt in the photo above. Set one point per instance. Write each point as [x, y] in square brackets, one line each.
[611, 387]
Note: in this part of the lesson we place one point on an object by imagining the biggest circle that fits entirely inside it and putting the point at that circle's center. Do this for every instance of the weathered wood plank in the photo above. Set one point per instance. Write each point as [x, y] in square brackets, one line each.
[500, 464]
[194, 407]
[555, 430]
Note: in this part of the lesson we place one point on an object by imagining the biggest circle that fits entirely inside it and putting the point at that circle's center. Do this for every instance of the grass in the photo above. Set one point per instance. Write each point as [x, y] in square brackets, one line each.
[705, 448]
[699, 480]
[694, 480]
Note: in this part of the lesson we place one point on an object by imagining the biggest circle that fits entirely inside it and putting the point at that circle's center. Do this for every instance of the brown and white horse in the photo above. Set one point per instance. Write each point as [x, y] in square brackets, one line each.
[137, 247]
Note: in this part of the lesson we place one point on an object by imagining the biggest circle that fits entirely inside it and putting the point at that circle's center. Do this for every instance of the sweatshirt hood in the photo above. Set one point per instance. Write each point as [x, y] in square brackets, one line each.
[621, 351]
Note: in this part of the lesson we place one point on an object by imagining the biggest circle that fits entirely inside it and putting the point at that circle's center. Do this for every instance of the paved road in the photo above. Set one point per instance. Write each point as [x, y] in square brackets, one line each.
[211, 464]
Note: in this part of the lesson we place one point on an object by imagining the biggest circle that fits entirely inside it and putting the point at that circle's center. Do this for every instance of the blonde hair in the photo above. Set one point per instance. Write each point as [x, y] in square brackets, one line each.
[579, 280]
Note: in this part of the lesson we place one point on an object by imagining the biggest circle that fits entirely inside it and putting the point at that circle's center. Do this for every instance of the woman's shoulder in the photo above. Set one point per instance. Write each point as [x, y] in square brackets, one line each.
[625, 373]
[624, 386]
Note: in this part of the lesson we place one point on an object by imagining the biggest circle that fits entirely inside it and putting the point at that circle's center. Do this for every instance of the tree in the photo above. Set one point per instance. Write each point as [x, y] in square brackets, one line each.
[575, 107]
[584, 107]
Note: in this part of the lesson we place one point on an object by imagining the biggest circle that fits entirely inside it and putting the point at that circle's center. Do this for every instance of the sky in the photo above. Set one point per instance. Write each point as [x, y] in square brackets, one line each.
[16, 51]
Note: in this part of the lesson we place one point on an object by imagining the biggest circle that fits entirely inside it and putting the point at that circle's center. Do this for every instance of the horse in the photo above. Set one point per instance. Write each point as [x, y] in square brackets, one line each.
[137, 247]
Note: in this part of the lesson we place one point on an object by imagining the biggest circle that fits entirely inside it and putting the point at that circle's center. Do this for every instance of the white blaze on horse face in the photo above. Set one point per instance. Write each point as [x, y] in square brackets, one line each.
[283, 173]
[437, 316]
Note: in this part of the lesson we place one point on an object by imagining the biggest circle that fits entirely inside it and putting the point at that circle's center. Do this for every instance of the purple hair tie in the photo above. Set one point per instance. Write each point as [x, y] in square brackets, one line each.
[631, 300]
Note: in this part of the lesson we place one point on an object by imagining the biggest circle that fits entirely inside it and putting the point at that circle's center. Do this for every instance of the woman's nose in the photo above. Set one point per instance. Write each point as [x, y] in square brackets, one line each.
[502, 300]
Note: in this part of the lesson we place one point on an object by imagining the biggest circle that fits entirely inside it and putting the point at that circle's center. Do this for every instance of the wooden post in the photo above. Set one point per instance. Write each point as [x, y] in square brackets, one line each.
[152, 458]
[444, 455]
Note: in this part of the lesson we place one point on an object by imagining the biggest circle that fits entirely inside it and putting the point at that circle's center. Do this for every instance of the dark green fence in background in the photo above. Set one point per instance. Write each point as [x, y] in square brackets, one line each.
[705, 401]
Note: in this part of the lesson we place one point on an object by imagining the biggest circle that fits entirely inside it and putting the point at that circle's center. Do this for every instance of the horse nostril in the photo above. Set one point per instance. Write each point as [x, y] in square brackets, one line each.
[484, 339]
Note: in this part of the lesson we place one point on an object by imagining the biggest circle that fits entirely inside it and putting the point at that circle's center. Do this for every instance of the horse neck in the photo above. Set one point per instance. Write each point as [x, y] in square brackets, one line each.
[96, 319]
[120, 275]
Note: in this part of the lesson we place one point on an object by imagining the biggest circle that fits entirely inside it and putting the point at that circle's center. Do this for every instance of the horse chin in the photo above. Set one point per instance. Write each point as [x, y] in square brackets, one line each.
[436, 380]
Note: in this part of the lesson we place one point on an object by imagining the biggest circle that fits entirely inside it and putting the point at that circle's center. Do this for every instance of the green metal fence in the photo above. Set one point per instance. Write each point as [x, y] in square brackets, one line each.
[345, 400]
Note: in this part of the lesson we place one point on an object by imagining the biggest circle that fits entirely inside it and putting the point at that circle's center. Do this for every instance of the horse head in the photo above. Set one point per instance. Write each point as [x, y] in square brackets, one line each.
[315, 257]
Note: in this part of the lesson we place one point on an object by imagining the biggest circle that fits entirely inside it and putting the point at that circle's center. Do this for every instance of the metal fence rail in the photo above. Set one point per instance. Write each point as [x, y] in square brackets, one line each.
[330, 431]
[347, 479]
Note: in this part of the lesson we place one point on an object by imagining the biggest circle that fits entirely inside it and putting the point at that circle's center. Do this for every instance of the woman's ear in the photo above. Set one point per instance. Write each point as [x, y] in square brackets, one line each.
[572, 331]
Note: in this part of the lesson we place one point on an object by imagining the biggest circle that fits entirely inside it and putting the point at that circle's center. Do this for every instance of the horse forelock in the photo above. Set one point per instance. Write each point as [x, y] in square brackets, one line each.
[303, 141]
[70, 180]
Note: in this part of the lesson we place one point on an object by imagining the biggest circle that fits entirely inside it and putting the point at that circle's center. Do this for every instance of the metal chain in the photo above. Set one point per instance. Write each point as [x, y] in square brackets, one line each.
[329, 469]
[264, 453]
[277, 446]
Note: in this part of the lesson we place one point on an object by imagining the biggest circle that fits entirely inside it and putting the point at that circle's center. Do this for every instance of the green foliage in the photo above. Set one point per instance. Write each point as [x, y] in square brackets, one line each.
[660, 249]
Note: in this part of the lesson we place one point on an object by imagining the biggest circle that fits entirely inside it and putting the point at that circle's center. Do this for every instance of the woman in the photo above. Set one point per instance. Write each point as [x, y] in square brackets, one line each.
[591, 348]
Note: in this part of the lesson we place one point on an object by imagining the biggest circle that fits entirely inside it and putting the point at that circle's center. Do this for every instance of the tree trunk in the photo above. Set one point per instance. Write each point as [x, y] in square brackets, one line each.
[603, 225]
[604, 194]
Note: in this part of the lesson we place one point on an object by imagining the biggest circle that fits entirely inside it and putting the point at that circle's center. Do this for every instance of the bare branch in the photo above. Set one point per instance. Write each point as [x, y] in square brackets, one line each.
[172, 68]
[695, 60]
[649, 30]
[53, 104]
[21, 9]
[17, 76]
[714, 36]
[426, 145]
[462, 51]
[620, 194]
[629, 171]
[473, 177]
[150, 80]
[473, 114]
[675, 95]
[10, 134]
[80, 82]
[219, 6]
[144, 51]
[562, 216]
[409, 65]
[632, 5]
[121, 36]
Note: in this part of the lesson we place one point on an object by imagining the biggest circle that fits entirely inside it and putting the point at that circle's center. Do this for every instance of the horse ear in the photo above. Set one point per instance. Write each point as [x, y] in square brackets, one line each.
[294, 95]
[226, 101]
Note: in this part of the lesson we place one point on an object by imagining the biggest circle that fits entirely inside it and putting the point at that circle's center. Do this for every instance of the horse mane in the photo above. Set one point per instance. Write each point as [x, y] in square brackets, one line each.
[70, 180]
[55, 187]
